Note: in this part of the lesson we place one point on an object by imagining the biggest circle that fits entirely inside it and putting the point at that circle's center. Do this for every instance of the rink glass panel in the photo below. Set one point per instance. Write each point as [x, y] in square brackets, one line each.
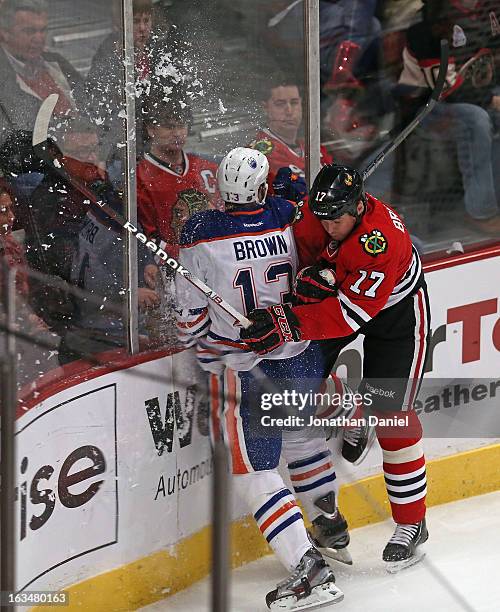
[423, 178]
[60, 243]
[222, 54]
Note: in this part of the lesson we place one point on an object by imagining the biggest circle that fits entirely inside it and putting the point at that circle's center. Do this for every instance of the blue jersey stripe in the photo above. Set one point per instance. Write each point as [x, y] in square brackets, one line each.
[308, 461]
[317, 483]
[270, 502]
[292, 519]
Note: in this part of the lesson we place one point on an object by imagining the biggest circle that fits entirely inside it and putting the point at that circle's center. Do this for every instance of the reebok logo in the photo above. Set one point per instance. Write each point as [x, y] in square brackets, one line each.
[380, 392]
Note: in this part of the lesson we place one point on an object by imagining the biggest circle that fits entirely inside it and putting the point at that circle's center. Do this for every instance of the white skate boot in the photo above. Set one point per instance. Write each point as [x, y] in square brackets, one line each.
[310, 586]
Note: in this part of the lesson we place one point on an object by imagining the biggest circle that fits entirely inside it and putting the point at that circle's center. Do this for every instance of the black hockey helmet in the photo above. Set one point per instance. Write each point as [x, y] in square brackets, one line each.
[336, 191]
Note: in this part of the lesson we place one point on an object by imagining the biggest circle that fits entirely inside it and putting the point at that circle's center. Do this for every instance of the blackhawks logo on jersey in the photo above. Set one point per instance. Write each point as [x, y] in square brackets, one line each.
[374, 243]
[265, 146]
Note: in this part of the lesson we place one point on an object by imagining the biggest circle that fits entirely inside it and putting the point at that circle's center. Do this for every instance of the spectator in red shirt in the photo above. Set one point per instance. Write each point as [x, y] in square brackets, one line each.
[167, 169]
[279, 141]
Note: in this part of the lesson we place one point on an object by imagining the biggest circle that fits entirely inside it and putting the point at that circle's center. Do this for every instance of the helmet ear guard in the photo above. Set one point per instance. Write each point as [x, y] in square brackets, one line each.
[336, 191]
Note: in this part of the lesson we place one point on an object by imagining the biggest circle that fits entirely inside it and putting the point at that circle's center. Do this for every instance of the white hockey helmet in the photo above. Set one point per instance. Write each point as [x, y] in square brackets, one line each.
[240, 175]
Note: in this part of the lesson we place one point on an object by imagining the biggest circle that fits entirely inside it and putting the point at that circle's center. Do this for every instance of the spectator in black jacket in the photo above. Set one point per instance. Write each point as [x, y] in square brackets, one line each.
[57, 208]
[28, 74]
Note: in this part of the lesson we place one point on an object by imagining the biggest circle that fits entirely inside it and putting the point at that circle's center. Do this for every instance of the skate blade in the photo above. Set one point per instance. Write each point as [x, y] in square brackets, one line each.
[321, 596]
[369, 444]
[393, 567]
[341, 555]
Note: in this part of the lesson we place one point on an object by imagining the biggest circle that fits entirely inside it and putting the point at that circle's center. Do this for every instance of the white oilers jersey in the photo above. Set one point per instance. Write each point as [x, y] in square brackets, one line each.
[249, 258]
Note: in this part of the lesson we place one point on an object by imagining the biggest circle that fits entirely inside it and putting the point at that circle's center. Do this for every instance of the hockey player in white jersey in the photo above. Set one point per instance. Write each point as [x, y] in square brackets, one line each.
[248, 254]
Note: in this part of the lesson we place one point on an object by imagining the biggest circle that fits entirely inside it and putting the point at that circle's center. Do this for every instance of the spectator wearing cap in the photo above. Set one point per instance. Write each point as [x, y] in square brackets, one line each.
[469, 100]
[28, 73]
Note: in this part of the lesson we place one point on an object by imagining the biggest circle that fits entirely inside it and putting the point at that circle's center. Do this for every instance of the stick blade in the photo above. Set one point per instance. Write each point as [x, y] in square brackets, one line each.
[41, 128]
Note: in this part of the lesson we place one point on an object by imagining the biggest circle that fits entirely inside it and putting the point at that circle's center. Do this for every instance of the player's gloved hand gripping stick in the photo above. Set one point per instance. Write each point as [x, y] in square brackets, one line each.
[48, 152]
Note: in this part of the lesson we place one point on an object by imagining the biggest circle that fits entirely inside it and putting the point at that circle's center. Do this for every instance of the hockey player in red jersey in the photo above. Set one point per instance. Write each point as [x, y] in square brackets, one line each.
[364, 276]
[279, 141]
[167, 170]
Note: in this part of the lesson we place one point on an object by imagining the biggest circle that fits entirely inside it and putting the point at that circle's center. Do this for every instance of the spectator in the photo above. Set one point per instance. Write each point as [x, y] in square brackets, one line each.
[105, 87]
[282, 105]
[27, 72]
[349, 35]
[464, 106]
[97, 268]
[57, 208]
[167, 169]
[33, 361]
[349, 26]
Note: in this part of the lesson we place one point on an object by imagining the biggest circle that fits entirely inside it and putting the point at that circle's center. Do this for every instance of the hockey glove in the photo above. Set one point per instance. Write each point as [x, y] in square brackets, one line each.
[271, 327]
[314, 284]
[289, 185]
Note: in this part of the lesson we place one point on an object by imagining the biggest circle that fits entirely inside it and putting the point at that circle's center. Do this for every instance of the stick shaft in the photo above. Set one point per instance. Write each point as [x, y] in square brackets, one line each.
[436, 92]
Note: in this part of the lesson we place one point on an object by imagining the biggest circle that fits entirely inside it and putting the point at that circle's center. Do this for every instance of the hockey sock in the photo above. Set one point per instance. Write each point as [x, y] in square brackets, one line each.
[310, 466]
[341, 398]
[277, 514]
[404, 468]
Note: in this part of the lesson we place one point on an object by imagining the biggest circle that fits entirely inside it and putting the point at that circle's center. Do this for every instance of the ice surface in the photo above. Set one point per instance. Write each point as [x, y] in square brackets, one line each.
[459, 572]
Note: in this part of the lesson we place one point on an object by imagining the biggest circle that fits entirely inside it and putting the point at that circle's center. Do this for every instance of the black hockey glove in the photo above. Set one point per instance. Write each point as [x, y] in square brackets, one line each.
[271, 327]
[289, 185]
[314, 284]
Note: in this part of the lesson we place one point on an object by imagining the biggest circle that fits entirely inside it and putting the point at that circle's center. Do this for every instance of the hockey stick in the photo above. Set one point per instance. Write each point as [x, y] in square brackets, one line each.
[431, 103]
[48, 152]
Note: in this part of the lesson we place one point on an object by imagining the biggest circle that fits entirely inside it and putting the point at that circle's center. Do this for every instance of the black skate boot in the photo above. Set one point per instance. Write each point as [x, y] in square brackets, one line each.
[357, 440]
[402, 549]
[311, 585]
[329, 530]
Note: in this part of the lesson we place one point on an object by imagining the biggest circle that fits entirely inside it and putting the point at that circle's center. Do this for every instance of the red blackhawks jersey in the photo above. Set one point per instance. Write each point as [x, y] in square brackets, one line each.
[157, 189]
[281, 155]
[376, 266]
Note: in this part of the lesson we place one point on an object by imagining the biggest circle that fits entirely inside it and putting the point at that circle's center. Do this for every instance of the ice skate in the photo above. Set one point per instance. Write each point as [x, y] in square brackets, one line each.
[402, 550]
[309, 587]
[357, 441]
[329, 531]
